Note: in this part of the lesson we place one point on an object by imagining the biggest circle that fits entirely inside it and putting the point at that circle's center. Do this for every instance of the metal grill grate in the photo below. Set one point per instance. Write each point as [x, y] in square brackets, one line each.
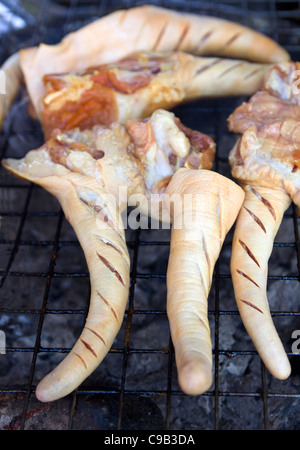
[45, 283]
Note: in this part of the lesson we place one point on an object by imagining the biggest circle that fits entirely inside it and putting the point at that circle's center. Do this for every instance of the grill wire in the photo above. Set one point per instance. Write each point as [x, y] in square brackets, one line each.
[45, 282]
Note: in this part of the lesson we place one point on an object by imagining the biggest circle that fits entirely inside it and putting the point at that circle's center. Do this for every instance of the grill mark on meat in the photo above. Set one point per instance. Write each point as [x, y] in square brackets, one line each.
[230, 41]
[246, 276]
[248, 251]
[181, 38]
[264, 201]
[256, 219]
[159, 37]
[96, 334]
[81, 359]
[111, 268]
[253, 72]
[108, 305]
[251, 304]
[208, 66]
[233, 67]
[203, 40]
[87, 345]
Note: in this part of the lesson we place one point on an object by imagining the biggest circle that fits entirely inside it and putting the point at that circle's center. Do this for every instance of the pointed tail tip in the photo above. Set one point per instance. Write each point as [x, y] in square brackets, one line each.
[48, 391]
[42, 395]
[195, 377]
[282, 371]
[276, 360]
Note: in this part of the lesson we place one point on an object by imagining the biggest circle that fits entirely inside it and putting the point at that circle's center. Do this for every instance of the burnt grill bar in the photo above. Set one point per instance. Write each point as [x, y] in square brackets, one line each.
[140, 369]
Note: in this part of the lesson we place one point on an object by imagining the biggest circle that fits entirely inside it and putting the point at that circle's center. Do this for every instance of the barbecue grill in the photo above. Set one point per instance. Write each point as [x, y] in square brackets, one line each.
[44, 284]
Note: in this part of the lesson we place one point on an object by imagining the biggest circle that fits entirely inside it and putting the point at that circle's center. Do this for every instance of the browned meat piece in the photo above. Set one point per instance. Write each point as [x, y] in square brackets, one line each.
[136, 86]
